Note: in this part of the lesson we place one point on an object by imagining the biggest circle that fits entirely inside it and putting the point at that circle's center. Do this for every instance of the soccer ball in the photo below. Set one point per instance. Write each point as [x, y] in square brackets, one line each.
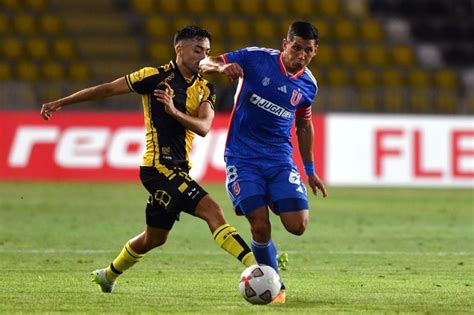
[259, 284]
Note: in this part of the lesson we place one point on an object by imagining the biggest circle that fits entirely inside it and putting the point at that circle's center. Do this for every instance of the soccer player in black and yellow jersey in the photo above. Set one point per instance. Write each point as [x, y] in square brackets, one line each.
[181, 106]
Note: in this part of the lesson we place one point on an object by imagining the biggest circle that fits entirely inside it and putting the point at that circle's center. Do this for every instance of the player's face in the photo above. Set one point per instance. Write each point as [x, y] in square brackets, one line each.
[191, 52]
[298, 53]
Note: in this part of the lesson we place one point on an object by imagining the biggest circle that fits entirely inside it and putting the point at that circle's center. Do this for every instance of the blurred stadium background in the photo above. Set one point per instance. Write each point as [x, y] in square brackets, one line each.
[383, 56]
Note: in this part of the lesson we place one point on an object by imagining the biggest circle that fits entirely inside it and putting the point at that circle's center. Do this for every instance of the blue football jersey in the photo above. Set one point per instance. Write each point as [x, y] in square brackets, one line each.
[266, 100]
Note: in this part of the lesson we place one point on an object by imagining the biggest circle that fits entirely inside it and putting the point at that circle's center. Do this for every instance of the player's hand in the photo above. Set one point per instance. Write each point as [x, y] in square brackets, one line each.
[166, 97]
[48, 109]
[315, 183]
[232, 70]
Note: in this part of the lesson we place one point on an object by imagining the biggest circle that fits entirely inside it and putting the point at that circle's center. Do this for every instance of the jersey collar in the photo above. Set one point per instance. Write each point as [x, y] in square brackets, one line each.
[188, 82]
[283, 69]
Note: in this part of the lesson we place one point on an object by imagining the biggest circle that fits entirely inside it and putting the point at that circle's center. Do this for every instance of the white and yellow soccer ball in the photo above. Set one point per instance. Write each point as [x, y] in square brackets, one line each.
[259, 284]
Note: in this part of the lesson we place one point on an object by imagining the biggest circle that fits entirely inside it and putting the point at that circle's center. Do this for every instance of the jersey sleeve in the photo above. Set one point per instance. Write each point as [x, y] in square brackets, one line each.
[305, 109]
[142, 81]
[209, 95]
[239, 56]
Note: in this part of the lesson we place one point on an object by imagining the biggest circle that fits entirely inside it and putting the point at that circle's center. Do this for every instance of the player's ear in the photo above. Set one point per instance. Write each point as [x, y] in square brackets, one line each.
[178, 48]
[284, 43]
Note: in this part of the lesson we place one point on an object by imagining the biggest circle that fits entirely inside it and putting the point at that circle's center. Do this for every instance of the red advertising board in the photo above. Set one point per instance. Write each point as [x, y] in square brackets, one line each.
[102, 146]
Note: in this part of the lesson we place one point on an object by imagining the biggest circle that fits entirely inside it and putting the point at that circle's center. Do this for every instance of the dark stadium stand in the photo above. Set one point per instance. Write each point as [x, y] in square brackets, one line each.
[397, 56]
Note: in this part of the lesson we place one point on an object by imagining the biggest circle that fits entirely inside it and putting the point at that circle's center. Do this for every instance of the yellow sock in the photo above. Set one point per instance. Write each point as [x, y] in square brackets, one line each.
[228, 238]
[126, 259]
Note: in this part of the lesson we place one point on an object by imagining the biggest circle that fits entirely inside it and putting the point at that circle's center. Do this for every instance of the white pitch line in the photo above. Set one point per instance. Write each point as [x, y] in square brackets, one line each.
[188, 253]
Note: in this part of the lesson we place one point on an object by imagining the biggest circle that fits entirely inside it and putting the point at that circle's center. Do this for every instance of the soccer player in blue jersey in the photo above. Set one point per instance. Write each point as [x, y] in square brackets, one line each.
[275, 88]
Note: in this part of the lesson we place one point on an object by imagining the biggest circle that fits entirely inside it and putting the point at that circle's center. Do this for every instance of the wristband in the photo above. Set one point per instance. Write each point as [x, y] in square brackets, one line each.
[309, 168]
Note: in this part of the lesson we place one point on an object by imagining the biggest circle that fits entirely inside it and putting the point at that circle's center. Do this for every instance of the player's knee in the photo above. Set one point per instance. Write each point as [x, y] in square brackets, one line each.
[208, 210]
[297, 227]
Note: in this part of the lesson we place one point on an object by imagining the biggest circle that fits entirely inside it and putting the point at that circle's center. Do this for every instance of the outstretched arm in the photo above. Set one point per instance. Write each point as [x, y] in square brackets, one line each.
[104, 90]
[305, 135]
[218, 64]
[200, 124]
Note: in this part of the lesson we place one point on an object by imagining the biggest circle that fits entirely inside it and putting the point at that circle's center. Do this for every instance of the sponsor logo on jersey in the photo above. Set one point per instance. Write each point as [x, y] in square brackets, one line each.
[269, 106]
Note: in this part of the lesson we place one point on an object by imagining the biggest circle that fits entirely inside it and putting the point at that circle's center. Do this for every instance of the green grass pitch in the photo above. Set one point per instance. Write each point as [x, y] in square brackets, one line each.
[366, 250]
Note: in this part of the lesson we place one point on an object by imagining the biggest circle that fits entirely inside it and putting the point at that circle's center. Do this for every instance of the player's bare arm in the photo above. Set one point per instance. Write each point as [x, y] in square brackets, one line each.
[305, 136]
[217, 64]
[200, 124]
[104, 90]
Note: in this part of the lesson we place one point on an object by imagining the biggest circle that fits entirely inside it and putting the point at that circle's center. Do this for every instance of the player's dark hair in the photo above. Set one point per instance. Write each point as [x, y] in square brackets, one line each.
[190, 32]
[303, 29]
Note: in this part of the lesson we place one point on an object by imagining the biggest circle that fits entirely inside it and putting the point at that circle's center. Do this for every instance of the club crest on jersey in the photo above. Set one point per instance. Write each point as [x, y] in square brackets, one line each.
[295, 97]
[266, 81]
[236, 188]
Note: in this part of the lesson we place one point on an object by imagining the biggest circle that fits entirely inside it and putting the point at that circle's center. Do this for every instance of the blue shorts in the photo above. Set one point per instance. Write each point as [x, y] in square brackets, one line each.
[251, 186]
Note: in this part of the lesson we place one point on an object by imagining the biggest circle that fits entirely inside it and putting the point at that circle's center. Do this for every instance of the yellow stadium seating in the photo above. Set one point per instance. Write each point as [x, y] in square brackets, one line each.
[264, 29]
[52, 71]
[12, 48]
[345, 29]
[393, 100]
[349, 54]
[10, 4]
[446, 79]
[198, 6]
[367, 100]
[338, 76]
[143, 6]
[328, 8]
[27, 71]
[167, 6]
[78, 72]
[333, 98]
[37, 5]
[303, 8]
[238, 28]
[214, 26]
[217, 48]
[419, 78]
[24, 23]
[446, 101]
[63, 48]
[284, 25]
[324, 30]
[420, 101]
[375, 55]
[402, 55]
[180, 22]
[4, 24]
[249, 7]
[157, 26]
[37, 48]
[392, 77]
[5, 71]
[50, 24]
[371, 30]
[223, 7]
[325, 56]
[276, 8]
[365, 78]
[161, 51]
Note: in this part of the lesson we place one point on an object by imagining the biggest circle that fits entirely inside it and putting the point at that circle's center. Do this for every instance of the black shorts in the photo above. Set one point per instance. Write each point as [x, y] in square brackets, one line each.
[171, 190]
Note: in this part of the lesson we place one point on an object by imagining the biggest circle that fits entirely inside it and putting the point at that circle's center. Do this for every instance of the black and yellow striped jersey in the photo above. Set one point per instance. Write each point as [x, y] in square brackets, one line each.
[167, 141]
